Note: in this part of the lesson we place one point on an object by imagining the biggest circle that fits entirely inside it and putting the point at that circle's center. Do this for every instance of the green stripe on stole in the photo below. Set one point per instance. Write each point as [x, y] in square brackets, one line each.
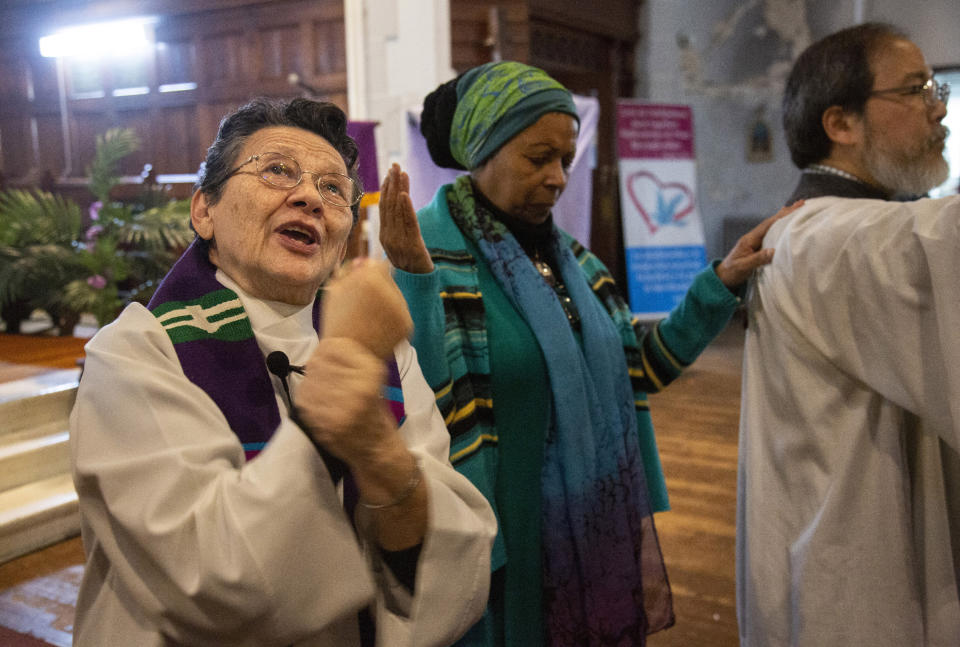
[215, 315]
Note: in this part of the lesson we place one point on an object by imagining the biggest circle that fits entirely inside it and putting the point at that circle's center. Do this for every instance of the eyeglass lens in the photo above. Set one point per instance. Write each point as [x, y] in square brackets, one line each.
[282, 171]
[938, 92]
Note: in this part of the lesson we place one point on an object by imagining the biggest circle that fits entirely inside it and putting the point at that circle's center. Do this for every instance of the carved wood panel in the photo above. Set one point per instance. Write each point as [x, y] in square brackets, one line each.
[209, 57]
[595, 63]
[484, 29]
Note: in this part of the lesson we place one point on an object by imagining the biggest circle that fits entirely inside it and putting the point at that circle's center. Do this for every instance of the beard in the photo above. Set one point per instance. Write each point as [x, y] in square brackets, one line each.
[914, 170]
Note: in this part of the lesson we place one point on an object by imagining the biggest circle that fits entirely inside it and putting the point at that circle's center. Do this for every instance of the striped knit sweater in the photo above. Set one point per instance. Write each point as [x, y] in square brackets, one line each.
[450, 336]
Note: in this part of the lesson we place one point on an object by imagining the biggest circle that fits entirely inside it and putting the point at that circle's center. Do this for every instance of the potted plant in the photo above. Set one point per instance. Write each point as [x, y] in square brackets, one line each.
[38, 231]
[52, 258]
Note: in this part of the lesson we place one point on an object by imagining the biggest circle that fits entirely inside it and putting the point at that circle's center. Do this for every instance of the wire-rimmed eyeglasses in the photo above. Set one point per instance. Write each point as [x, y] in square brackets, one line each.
[284, 172]
[931, 91]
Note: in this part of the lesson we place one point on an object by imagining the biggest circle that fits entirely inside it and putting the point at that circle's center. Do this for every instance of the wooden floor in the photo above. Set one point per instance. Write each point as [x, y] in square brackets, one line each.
[43, 585]
[696, 421]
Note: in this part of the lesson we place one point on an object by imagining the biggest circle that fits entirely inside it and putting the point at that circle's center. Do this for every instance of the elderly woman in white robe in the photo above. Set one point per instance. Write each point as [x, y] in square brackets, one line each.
[223, 505]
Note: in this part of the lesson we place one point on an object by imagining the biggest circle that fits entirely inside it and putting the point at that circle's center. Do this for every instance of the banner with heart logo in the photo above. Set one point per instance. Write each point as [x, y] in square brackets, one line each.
[662, 230]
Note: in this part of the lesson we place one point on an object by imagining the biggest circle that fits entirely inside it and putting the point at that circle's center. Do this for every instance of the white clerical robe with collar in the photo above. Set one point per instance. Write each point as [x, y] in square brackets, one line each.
[848, 524]
[187, 543]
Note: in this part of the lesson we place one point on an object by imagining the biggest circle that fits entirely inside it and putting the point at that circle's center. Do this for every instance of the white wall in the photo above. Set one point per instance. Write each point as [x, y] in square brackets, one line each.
[726, 58]
[398, 52]
[933, 24]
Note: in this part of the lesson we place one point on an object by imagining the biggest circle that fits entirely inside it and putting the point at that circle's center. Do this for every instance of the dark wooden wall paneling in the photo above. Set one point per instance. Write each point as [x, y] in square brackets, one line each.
[237, 49]
[471, 25]
[232, 49]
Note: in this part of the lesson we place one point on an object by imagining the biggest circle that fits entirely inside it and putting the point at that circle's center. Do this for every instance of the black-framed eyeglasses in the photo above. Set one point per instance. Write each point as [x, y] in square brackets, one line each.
[284, 172]
[931, 91]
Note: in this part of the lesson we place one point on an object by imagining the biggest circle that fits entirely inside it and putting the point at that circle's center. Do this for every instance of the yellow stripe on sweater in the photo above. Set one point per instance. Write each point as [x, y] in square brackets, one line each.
[664, 350]
[472, 447]
[603, 279]
[468, 409]
[461, 295]
[444, 391]
[653, 378]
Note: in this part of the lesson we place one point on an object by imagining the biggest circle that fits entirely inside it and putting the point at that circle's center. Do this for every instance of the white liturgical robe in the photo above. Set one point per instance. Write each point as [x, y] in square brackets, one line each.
[188, 543]
[848, 515]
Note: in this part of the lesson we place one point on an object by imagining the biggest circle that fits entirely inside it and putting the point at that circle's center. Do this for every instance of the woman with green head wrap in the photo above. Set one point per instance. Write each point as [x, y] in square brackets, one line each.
[537, 367]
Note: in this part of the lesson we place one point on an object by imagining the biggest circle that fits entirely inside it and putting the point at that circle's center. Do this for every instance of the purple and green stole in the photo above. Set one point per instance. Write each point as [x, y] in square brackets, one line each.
[218, 352]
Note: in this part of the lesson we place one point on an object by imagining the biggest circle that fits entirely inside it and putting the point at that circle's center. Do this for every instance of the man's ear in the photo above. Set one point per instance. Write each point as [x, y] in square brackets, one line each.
[843, 127]
[200, 215]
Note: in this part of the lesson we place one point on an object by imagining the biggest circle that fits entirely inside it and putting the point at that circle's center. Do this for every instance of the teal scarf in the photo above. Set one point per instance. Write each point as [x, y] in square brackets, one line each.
[598, 534]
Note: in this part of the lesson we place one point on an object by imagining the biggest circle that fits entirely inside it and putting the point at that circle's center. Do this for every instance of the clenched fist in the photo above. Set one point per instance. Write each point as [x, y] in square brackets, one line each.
[364, 304]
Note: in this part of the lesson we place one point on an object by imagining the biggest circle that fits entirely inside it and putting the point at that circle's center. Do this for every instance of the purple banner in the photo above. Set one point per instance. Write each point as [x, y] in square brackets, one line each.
[363, 133]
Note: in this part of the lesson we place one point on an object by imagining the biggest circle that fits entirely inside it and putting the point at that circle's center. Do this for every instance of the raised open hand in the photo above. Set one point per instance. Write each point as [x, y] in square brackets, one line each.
[399, 230]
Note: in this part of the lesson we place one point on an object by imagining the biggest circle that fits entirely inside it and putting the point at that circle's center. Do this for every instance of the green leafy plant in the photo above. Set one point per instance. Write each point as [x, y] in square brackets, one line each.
[51, 259]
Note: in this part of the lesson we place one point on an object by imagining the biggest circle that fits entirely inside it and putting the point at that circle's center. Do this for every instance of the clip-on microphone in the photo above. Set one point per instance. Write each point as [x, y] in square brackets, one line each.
[279, 364]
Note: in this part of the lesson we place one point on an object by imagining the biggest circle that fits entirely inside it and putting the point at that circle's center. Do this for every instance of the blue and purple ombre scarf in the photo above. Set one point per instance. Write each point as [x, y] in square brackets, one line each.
[218, 352]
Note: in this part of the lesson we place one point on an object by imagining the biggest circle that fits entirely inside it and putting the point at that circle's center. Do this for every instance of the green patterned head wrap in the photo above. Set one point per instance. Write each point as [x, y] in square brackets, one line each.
[496, 101]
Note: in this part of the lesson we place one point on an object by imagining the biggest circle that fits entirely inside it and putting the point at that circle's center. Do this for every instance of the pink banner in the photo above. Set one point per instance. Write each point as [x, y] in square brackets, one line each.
[654, 131]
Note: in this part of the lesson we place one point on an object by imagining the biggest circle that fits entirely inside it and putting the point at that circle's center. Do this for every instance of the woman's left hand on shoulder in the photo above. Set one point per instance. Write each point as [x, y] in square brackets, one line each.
[747, 255]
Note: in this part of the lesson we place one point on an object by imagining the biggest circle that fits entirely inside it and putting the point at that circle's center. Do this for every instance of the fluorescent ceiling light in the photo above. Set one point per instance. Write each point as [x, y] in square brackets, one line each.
[116, 39]
[178, 87]
[92, 94]
[129, 92]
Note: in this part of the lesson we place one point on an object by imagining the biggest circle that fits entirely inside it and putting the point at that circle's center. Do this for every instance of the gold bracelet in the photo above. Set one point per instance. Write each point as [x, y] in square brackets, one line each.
[415, 477]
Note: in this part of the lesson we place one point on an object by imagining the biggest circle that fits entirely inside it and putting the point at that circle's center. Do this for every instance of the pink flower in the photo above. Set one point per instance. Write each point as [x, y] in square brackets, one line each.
[93, 232]
[95, 210]
[97, 282]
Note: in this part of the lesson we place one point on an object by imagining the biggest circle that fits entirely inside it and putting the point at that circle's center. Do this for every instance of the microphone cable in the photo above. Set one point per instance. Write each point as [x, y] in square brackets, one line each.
[279, 364]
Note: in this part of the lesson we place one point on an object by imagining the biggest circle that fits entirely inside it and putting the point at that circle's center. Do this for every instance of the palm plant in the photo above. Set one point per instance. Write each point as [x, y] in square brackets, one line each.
[51, 261]
[37, 254]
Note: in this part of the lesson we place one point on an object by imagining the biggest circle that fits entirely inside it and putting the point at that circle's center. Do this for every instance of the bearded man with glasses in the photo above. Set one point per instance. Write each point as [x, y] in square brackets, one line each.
[862, 116]
[848, 494]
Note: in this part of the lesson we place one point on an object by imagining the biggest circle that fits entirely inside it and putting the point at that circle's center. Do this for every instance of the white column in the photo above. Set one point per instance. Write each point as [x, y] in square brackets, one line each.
[859, 11]
[355, 29]
[405, 54]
